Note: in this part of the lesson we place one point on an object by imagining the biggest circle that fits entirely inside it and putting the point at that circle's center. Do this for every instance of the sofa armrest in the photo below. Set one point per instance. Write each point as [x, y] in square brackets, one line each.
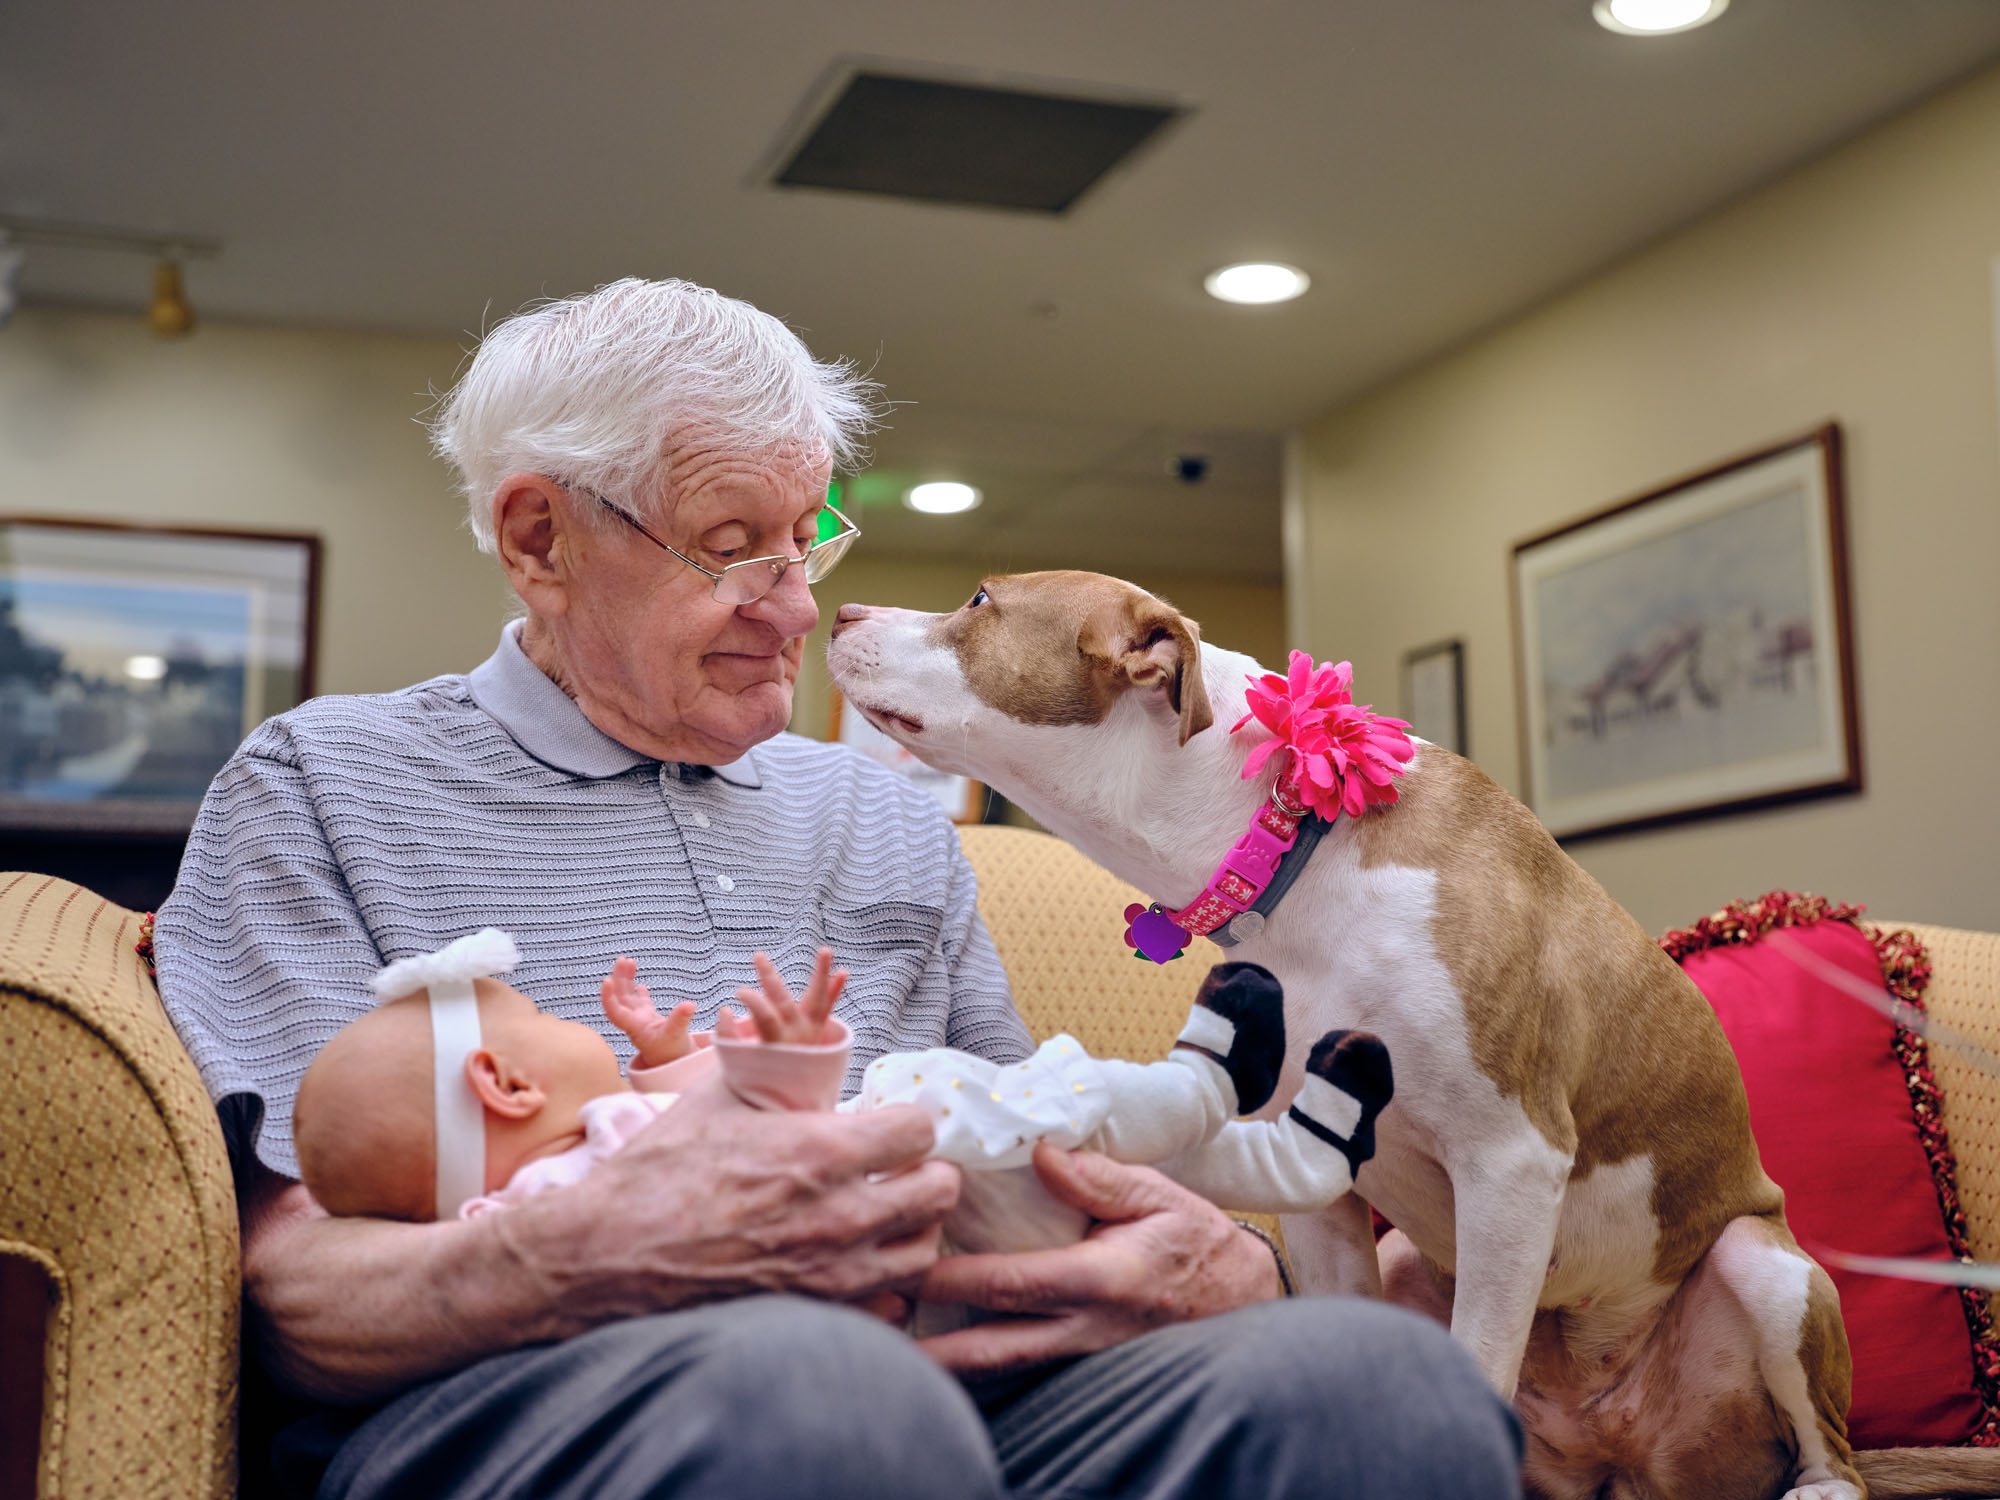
[114, 1179]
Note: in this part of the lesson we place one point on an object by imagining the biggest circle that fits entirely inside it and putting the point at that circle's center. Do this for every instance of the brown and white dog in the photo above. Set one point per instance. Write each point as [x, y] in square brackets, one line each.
[1568, 1158]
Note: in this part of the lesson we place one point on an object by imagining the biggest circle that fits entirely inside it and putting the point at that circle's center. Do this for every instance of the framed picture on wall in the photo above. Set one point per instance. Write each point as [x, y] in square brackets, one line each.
[1689, 652]
[1434, 693]
[134, 659]
[960, 796]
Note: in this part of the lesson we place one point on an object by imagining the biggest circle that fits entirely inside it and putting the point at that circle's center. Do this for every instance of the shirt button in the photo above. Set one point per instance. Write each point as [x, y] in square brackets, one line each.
[725, 884]
[700, 819]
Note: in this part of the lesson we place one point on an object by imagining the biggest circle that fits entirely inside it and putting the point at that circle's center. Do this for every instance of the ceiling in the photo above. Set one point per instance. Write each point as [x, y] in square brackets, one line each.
[1436, 165]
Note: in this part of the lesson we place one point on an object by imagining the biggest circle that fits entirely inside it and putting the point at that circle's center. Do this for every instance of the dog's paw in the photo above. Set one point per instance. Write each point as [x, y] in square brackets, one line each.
[1348, 1082]
[1244, 1029]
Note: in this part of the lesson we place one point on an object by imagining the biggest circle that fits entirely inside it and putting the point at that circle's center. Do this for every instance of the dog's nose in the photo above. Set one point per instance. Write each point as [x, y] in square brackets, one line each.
[850, 614]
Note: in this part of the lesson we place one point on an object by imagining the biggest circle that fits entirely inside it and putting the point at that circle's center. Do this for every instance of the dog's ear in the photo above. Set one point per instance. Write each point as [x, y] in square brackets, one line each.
[1164, 649]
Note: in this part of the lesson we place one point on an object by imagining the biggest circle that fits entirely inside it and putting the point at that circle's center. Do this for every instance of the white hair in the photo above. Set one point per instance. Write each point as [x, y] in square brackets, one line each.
[589, 391]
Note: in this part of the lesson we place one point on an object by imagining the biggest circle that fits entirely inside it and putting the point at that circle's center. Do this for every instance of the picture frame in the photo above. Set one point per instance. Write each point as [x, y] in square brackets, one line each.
[962, 798]
[135, 658]
[1434, 694]
[1689, 652]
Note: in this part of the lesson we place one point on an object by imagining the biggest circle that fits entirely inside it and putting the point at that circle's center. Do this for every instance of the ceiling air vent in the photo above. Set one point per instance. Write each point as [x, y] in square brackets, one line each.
[955, 143]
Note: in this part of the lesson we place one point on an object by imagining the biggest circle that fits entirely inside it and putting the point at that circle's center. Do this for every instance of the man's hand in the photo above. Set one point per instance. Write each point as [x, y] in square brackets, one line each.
[1160, 1254]
[714, 1200]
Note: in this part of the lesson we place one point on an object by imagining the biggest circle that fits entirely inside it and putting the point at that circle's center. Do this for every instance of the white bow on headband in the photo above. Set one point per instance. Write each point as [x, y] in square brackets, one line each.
[455, 1036]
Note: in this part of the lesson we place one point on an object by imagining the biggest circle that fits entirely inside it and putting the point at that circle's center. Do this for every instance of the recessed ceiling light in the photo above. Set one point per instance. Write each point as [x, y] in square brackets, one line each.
[942, 497]
[1257, 281]
[1655, 17]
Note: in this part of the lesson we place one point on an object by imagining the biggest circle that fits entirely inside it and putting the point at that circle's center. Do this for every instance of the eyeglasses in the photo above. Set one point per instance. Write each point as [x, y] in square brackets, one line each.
[750, 580]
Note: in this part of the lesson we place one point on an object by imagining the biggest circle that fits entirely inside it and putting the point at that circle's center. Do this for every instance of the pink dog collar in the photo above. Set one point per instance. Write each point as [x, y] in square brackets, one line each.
[1339, 757]
[1245, 873]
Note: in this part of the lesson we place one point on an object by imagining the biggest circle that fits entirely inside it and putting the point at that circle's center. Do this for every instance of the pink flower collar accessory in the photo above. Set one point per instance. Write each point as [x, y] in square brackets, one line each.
[1340, 757]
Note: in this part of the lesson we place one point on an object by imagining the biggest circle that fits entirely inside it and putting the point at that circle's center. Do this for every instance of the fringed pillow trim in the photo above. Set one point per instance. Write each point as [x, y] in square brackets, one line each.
[1906, 972]
[144, 947]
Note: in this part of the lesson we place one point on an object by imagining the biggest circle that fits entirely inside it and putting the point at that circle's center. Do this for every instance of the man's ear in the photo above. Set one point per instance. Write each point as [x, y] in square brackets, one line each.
[503, 1089]
[1164, 650]
[530, 520]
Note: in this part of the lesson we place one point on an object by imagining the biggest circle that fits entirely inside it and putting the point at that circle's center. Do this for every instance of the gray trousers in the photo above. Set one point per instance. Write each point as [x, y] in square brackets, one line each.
[794, 1400]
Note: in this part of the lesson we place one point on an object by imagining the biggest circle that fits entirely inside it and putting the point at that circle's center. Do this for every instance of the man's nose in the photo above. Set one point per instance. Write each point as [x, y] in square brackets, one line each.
[790, 607]
[850, 614]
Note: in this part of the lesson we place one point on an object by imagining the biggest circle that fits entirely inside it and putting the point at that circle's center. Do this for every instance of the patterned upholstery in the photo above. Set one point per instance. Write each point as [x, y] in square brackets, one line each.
[1058, 921]
[1964, 995]
[114, 1179]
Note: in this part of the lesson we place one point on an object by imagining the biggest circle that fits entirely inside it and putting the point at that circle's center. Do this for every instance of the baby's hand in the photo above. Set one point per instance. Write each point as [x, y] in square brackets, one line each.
[659, 1039]
[775, 1016]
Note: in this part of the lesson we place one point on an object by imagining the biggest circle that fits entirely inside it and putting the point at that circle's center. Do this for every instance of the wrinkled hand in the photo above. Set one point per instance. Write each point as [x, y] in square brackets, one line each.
[715, 1200]
[1160, 1254]
[629, 1006]
[775, 1016]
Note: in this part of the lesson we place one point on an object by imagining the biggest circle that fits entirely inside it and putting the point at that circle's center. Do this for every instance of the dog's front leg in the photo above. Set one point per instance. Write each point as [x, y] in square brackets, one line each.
[1333, 1251]
[1507, 1200]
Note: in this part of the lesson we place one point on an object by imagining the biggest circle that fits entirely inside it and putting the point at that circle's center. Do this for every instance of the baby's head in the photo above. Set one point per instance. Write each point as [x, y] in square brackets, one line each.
[365, 1126]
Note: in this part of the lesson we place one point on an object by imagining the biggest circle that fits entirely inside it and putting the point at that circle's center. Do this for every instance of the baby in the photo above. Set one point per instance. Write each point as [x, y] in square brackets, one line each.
[457, 1096]
[406, 1114]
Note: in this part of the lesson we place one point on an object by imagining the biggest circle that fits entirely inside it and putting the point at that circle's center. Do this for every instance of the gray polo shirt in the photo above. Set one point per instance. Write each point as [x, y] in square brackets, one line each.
[357, 830]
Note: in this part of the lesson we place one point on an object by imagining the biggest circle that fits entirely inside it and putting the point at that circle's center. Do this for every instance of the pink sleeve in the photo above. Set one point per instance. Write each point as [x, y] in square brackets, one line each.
[782, 1075]
[676, 1077]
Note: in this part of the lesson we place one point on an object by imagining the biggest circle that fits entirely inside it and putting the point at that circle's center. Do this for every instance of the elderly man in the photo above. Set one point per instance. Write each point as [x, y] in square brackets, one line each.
[650, 464]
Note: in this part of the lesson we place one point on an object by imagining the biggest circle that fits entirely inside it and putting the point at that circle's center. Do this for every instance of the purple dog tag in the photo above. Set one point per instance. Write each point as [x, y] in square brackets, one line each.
[1154, 934]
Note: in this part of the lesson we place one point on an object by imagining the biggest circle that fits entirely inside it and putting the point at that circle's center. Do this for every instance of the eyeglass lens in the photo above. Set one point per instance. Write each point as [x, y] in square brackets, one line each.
[819, 562]
[747, 582]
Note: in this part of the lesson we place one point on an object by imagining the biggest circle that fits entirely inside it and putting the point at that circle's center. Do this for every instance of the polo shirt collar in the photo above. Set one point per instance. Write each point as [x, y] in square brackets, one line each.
[545, 721]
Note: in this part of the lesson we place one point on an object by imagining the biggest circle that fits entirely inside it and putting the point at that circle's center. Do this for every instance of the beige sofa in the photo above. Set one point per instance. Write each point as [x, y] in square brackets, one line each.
[113, 1180]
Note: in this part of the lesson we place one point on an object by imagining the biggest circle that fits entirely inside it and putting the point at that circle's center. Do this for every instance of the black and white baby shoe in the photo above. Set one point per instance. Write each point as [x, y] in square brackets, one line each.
[1239, 1020]
[1348, 1082]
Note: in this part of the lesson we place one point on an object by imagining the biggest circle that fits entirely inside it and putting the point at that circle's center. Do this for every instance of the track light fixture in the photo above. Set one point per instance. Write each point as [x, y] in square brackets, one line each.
[168, 314]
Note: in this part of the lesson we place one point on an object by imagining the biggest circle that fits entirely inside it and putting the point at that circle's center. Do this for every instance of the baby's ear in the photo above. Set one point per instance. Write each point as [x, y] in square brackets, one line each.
[501, 1088]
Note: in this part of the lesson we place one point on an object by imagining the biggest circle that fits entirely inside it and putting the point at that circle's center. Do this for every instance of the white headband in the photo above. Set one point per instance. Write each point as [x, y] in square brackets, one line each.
[455, 1036]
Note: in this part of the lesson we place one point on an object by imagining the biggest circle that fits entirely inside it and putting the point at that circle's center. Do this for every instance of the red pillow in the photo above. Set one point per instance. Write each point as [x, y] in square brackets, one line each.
[1836, 1096]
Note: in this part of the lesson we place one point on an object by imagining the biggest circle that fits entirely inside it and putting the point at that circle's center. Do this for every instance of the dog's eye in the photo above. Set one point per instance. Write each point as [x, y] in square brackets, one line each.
[976, 600]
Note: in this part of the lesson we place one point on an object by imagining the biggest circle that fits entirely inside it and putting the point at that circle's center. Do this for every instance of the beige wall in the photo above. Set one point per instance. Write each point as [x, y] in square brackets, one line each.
[1858, 288]
[1242, 616]
[318, 431]
[261, 427]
